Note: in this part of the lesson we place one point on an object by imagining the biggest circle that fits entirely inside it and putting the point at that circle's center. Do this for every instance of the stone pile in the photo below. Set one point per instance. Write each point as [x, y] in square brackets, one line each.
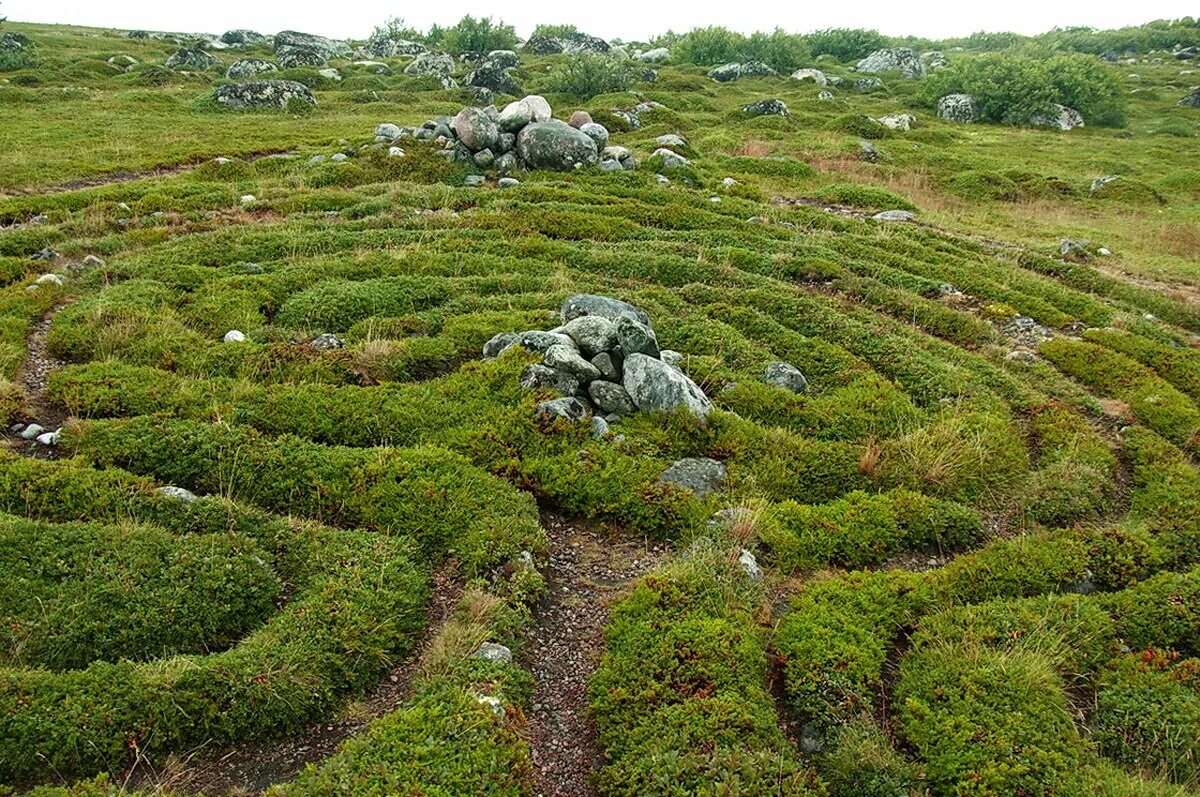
[606, 361]
[523, 134]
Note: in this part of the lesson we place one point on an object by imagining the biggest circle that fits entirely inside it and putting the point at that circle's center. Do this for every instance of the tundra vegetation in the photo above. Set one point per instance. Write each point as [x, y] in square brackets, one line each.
[275, 382]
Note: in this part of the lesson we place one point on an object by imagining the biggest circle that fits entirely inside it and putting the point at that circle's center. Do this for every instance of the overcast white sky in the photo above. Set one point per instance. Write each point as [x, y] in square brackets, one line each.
[627, 19]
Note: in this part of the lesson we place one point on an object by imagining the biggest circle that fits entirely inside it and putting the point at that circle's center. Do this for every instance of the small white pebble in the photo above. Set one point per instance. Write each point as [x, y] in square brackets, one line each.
[395, 152]
[248, 199]
[50, 438]
[235, 336]
[54, 278]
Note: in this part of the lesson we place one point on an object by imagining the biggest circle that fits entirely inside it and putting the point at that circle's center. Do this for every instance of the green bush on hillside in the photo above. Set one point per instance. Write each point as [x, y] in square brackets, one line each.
[1010, 88]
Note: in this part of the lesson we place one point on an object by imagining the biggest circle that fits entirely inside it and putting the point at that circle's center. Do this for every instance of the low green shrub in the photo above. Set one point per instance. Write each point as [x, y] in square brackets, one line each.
[862, 196]
[437, 497]
[861, 530]
[836, 636]
[77, 593]
[1147, 715]
[1153, 400]
[679, 696]
[586, 75]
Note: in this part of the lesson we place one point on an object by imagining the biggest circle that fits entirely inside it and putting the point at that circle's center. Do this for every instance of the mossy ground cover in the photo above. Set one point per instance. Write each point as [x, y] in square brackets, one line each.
[965, 529]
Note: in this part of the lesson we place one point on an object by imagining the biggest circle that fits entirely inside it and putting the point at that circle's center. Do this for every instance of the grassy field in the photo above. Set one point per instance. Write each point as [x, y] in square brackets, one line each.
[978, 526]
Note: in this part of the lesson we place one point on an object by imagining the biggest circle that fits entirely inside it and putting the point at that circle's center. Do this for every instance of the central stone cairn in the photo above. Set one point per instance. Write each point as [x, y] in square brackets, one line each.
[522, 134]
[606, 361]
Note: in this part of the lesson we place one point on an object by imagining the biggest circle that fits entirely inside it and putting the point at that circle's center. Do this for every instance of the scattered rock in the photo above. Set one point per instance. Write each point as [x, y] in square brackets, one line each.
[958, 108]
[766, 108]
[815, 75]
[657, 55]
[701, 475]
[1060, 117]
[178, 493]
[786, 376]
[32, 431]
[1192, 98]
[234, 336]
[326, 342]
[493, 651]
[670, 160]
[897, 121]
[750, 566]
[894, 215]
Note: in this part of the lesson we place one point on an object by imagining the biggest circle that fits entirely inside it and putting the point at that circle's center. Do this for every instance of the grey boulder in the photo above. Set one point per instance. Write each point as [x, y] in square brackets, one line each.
[248, 68]
[593, 334]
[582, 304]
[786, 376]
[262, 94]
[610, 398]
[555, 145]
[476, 128]
[568, 360]
[542, 376]
[568, 409]
[893, 59]
[700, 475]
[656, 386]
[636, 338]
[958, 108]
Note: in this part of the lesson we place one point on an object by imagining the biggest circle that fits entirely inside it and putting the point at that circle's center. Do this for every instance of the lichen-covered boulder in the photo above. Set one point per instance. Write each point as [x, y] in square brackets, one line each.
[636, 338]
[555, 145]
[727, 72]
[476, 129]
[248, 68]
[611, 398]
[493, 78]
[430, 64]
[262, 94]
[582, 304]
[328, 48]
[597, 132]
[655, 386]
[893, 59]
[387, 47]
[1058, 117]
[191, 58]
[503, 59]
[766, 108]
[1191, 99]
[958, 108]
[242, 36]
[934, 60]
[291, 57]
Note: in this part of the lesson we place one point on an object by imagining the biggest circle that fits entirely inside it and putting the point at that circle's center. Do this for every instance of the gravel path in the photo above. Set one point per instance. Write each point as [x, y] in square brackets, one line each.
[585, 571]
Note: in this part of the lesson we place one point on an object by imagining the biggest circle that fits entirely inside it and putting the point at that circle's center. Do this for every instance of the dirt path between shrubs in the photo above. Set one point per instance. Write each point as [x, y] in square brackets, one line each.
[32, 377]
[586, 571]
[165, 170]
[250, 768]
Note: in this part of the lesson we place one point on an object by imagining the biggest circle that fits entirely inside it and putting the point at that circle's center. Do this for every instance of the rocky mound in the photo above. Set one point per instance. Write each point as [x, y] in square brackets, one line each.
[523, 134]
[606, 361]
